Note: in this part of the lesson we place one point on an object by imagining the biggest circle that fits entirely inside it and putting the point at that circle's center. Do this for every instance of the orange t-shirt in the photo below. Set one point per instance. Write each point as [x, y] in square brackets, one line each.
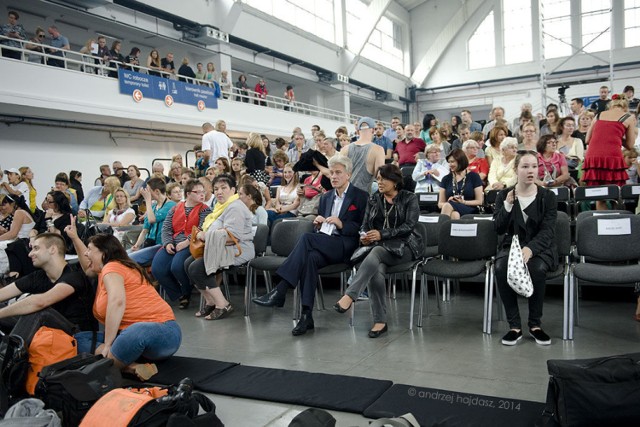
[143, 303]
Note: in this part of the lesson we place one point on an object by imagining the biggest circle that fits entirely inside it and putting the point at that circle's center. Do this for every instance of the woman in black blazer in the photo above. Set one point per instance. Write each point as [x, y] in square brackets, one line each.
[530, 211]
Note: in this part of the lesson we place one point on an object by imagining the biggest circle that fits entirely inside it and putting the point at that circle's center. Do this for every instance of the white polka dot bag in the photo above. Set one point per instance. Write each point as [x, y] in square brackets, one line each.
[517, 272]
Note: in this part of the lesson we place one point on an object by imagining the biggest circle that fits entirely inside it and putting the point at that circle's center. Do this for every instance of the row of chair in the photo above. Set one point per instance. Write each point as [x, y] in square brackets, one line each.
[605, 251]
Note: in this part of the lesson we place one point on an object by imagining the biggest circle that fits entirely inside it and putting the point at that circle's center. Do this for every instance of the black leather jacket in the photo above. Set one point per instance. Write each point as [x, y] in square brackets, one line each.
[408, 211]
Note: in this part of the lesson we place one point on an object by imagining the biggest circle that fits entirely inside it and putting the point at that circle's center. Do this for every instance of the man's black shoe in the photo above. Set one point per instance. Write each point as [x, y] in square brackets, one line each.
[271, 299]
[305, 323]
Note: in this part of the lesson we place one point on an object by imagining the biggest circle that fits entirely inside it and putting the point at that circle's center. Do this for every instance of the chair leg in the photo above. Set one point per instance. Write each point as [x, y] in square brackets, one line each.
[424, 286]
[267, 280]
[499, 307]
[297, 306]
[488, 298]
[320, 295]
[225, 285]
[576, 296]
[566, 306]
[436, 282]
[413, 300]
[247, 289]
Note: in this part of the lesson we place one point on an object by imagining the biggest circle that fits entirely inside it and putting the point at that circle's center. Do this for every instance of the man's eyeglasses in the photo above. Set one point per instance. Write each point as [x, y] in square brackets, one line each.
[41, 36]
[198, 192]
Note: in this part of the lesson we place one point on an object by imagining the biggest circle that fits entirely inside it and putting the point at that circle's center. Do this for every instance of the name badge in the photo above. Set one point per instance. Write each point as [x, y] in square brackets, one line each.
[593, 192]
[614, 227]
[464, 230]
[428, 218]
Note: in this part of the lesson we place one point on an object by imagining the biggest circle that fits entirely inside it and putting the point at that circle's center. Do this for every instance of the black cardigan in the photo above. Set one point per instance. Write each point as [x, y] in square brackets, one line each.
[538, 234]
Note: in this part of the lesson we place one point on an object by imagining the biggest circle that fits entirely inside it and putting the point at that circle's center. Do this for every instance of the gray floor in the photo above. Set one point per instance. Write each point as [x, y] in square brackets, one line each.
[449, 352]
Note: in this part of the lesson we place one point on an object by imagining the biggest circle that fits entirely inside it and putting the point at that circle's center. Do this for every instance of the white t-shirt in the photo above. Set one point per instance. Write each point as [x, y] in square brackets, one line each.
[219, 144]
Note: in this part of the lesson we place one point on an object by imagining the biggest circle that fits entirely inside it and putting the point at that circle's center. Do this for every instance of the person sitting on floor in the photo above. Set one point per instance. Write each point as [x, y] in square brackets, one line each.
[55, 284]
[336, 237]
[138, 323]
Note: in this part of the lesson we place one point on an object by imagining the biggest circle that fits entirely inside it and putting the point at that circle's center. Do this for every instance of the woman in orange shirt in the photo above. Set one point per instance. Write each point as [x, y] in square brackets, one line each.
[137, 321]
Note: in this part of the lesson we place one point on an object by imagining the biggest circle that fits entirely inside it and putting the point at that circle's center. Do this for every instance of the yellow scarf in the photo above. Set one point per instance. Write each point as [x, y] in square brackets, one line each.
[217, 211]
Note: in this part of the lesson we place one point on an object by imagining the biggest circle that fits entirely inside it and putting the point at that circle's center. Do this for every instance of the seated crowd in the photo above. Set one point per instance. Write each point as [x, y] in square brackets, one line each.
[358, 195]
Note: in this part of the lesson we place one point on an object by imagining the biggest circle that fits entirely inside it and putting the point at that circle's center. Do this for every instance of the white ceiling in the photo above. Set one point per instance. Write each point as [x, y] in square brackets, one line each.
[410, 4]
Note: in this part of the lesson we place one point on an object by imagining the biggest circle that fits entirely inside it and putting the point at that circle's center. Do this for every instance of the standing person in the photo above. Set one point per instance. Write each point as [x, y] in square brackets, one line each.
[528, 211]
[210, 75]
[577, 108]
[242, 89]
[215, 143]
[225, 84]
[100, 198]
[629, 92]
[256, 158]
[13, 31]
[132, 60]
[388, 225]
[341, 211]
[570, 147]
[168, 263]
[261, 93]
[153, 63]
[584, 123]
[460, 191]
[366, 157]
[186, 71]
[290, 96]
[407, 149]
[200, 73]
[58, 44]
[26, 175]
[611, 131]
[138, 323]
[105, 172]
[167, 65]
[117, 60]
[600, 104]
[75, 180]
[35, 48]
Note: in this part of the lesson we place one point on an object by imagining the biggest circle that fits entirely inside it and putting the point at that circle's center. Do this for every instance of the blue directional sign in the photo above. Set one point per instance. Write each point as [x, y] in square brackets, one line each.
[159, 87]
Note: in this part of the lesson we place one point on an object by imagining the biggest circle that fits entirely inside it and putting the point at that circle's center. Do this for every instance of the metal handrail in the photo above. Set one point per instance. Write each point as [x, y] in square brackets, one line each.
[80, 62]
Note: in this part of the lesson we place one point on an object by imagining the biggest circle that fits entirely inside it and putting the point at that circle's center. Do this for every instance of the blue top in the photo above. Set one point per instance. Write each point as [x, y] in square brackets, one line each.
[58, 43]
[155, 229]
[383, 142]
[471, 182]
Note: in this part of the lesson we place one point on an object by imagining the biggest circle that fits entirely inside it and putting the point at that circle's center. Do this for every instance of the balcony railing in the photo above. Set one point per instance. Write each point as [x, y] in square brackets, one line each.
[89, 64]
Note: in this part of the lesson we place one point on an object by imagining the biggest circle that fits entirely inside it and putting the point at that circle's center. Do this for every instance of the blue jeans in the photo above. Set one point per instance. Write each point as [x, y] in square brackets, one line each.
[170, 273]
[84, 339]
[273, 215]
[151, 340]
[144, 256]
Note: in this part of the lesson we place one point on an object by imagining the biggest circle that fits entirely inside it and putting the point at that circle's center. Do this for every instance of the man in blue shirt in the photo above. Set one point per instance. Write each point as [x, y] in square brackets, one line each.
[58, 43]
[382, 141]
[391, 132]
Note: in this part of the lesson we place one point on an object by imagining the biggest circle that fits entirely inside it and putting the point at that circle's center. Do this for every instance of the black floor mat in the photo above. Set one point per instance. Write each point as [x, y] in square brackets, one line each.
[433, 407]
[176, 368]
[335, 392]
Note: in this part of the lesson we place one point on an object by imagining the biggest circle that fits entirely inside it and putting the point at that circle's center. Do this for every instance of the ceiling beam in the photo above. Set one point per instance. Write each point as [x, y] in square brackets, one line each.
[374, 13]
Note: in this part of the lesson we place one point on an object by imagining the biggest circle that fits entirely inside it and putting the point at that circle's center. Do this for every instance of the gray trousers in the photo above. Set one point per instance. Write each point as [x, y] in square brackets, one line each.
[198, 274]
[371, 273]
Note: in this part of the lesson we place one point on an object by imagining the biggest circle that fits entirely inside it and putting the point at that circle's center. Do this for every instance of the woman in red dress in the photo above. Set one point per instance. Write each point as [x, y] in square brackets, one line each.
[611, 130]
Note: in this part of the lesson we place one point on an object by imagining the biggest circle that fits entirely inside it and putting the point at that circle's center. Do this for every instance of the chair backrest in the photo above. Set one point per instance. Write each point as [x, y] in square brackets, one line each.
[587, 214]
[432, 223]
[630, 191]
[563, 194]
[260, 238]
[609, 238]
[285, 234]
[407, 170]
[468, 239]
[427, 200]
[601, 192]
[563, 234]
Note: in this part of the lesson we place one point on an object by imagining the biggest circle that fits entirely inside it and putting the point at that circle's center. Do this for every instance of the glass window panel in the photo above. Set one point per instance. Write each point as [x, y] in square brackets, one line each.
[481, 45]
[517, 32]
[596, 17]
[632, 23]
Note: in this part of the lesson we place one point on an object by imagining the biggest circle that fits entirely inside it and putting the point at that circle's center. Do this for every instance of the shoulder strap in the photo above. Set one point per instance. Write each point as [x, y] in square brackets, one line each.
[624, 117]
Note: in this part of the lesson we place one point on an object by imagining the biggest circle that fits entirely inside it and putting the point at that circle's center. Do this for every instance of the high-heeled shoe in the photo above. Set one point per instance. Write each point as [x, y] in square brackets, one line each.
[376, 334]
[341, 310]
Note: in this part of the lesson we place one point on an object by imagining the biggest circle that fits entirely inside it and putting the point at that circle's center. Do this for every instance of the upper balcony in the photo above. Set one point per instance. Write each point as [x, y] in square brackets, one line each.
[83, 92]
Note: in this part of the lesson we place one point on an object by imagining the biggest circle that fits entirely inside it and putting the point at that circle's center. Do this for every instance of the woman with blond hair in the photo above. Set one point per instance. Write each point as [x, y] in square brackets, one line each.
[287, 200]
[26, 174]
[122, 214]
[256, 158]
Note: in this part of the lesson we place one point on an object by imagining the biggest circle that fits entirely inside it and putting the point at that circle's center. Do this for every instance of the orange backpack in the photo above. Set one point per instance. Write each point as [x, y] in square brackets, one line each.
[47, 347]
[118, 407]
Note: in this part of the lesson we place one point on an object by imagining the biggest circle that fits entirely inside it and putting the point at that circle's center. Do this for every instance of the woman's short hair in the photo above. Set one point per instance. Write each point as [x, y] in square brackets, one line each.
[62, 177]
[468, 142]
[587, 113]
[493, 135]
[173, 185]
[224, 178]
[477, 136]
[190, 185]
[280, 155]
[157, 184]
[61, 200]
[255, 195]
[341, 160]
[508, 142]
[111, 183]
[74, 174]
[434, 129]
[391, 173]
[459, 156]
[542, 142]
[136, 168]
[562, 122]
[255, 141]
[530, 124]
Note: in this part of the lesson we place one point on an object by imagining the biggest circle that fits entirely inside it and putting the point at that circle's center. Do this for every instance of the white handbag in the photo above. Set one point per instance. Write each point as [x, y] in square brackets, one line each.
[517, 272]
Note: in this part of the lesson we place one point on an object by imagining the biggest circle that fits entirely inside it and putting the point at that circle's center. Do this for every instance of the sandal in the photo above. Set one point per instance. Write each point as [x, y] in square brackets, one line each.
[220, 313]
[145, 371]
[205, 311]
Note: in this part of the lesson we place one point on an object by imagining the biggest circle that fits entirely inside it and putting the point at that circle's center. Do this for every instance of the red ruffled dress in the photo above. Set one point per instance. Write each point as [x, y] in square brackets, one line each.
[603, 162]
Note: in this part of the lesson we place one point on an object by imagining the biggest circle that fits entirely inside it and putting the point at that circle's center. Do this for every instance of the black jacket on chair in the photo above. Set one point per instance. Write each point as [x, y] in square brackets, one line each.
[408, 211]
[538, 234]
